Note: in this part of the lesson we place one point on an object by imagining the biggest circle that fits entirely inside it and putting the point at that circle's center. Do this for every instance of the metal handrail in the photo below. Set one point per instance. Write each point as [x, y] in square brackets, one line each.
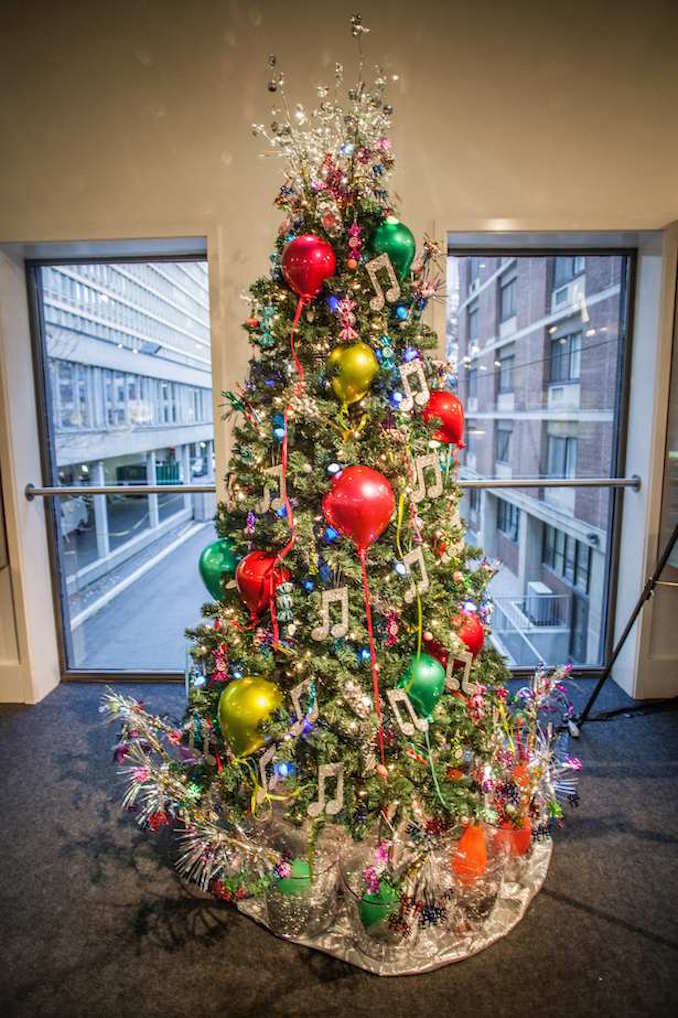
[37, 491]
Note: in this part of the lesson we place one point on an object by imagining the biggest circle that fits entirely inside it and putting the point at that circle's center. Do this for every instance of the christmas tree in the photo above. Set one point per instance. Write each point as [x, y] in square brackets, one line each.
[349, 733]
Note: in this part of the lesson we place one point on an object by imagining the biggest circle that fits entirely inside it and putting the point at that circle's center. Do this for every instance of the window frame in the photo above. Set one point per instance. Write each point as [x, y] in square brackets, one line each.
[586, 244]
[156, 252]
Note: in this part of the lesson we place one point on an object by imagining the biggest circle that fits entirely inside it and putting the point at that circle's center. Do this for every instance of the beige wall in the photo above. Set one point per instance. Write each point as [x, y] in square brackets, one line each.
[132, 119]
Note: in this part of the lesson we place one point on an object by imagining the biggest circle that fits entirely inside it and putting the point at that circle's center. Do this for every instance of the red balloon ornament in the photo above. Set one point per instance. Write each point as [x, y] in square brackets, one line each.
[470, 631]
[307, 262]
[359, 505]
[257, 578]
[446, 408]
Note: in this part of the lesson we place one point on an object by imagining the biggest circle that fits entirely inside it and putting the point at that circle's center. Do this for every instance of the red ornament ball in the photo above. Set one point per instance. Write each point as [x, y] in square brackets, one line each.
[307, 262]
[445, 408]
[252, 323]
[470, 631]
[359, 505]
[257, 580]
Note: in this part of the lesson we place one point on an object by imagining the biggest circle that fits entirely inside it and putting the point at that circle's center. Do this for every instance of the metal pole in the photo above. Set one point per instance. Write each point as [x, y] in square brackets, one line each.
[645, 595]
[38, 491]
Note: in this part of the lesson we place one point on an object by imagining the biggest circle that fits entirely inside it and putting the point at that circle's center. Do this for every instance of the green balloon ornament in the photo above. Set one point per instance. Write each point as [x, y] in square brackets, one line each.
[299, 880]
[243, 705]
[374, 908]
[397, 241]
[424, 682]
[217, 560]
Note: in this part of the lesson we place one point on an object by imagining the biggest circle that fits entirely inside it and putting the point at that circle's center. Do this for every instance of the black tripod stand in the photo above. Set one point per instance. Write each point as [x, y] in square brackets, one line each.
[645, 595]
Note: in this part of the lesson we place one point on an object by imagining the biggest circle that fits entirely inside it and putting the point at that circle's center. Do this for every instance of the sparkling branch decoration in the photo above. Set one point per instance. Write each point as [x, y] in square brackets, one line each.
[375, 750]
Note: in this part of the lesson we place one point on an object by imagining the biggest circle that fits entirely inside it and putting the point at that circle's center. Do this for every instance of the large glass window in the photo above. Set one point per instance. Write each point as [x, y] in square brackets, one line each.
[551, 592]
[126, 352]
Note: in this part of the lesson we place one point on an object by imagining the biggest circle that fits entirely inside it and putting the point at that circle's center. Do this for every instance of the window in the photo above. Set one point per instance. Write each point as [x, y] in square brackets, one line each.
[507, 298]
[473, 272]
[503, 445]
[125, 419]
[545, 403]
[507, 358]
[561, 457]
[474, 501]
[566, 268]
[508, 519]
[566, 357]
[472, 320]
[569, 558]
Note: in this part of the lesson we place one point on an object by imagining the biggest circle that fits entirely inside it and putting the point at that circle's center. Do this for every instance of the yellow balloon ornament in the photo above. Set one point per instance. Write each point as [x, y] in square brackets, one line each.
[243, 705]
[351, 370]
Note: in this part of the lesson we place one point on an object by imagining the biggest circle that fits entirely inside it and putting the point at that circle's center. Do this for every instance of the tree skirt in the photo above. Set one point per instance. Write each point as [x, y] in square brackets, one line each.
[428, 947]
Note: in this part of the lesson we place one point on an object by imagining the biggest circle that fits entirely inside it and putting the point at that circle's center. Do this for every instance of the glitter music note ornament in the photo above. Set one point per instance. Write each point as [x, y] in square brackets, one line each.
[382, 263]
[329, 806]
[421, 396]
[338, 629]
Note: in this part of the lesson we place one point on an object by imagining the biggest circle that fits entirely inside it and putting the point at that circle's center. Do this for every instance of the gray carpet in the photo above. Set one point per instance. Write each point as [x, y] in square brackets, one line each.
[94, 922]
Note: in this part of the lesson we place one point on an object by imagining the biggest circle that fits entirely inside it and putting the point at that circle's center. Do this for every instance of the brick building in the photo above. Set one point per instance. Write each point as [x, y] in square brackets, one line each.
[538, 355]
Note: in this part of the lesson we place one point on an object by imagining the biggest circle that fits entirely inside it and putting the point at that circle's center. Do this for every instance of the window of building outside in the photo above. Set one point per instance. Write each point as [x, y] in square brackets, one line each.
[473, 272]
[547, 403]
[507, 298]
[566, 268]
[506, 361]
[565, 357]
[561, 457]
[472, 321]
[508, 519]
[127, 382]
[504, 435]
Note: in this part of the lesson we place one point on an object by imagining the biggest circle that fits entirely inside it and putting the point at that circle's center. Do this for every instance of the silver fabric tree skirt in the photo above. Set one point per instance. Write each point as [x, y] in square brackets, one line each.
[432, 946]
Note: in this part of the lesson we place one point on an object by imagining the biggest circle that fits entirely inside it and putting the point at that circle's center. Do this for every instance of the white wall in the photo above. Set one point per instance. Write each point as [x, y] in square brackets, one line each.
[133, 120]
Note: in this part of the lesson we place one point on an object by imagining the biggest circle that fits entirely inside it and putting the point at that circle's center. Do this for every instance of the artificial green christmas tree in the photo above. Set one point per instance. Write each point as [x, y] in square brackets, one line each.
[348, 725]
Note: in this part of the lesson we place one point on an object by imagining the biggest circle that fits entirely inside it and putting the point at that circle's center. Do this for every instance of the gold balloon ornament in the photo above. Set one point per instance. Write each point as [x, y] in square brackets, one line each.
[243, 705]
[351, 370]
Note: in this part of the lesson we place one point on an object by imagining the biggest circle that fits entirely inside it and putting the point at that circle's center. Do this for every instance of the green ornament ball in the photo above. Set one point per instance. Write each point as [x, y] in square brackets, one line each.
[298, 881]
[243, 705]
[397, 241]
[374, 908]
[217, 560]
[424, 682]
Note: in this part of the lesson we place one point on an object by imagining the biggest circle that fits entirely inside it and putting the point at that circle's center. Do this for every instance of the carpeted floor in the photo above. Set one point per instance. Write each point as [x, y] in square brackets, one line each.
[94, 922]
